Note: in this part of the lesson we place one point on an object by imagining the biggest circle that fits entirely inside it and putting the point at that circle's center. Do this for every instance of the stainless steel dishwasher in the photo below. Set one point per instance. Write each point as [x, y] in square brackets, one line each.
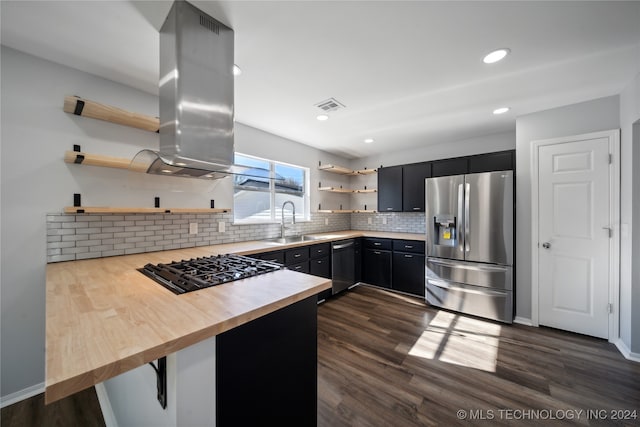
[343, 270]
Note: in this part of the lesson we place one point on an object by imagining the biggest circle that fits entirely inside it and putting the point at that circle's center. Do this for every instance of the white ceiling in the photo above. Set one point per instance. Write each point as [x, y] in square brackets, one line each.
[410, 73]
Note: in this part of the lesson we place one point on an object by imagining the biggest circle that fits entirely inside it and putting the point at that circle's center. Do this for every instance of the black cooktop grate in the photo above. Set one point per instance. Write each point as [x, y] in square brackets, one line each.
[199, 273]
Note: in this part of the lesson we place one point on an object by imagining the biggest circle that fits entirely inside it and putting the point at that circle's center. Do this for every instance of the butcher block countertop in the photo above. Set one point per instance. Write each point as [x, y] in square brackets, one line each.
[103, 317]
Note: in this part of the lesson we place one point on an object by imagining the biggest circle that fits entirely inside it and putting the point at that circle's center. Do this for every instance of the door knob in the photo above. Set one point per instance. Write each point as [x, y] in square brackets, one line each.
[546, 245]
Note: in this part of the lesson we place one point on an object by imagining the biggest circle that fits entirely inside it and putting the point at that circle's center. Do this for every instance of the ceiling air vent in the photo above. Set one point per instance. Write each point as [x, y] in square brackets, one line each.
[209, 24]
[330, 104]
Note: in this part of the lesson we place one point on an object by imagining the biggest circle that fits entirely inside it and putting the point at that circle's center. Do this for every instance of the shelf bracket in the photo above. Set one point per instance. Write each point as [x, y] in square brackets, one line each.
[161, 377]
[79, 107]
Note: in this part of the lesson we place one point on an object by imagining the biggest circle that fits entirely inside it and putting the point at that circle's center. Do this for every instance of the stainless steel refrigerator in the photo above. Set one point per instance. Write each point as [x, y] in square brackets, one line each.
[469, 225]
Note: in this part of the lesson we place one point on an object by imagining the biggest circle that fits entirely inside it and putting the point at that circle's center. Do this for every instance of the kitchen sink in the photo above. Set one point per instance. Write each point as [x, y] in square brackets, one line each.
[292, 239]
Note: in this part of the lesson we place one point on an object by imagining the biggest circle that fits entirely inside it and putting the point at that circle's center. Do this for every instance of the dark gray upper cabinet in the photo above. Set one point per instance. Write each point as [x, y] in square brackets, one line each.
[401, 188]
[390, 189]
[446, 167]
[499, 161]
[413, 177]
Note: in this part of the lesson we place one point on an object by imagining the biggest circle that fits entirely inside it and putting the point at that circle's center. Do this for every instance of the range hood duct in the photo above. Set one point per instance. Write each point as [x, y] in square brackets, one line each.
[196, 97]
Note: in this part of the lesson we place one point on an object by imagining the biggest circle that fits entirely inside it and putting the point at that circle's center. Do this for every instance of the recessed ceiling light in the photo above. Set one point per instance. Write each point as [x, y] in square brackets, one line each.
[368, 140]
[496, 56]
[236, 70]
[322, 117]
[501, 110]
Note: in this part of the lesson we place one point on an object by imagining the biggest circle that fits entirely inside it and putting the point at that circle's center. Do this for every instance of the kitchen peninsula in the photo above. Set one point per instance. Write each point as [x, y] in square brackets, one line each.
[106, 321]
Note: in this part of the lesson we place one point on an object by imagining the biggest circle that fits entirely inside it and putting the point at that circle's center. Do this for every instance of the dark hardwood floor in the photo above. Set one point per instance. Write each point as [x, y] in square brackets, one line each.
[386, 359]
[79, 410]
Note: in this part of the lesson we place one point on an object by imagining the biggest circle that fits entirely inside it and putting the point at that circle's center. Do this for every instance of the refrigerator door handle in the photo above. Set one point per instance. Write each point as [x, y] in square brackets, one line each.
[461, 218]
[485, 267]
[467, 190]
[445, 285]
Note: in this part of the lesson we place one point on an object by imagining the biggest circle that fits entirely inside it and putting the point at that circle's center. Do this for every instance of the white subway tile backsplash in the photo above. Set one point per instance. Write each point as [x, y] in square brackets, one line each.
[76, 250]
[61, 231]
[102, 236]
[101, 248]
[89, 230]
[83, 243]
[86, 236]
[58, 245]
[124, 234]
[124, 245]
[83, 224]
[74, 237]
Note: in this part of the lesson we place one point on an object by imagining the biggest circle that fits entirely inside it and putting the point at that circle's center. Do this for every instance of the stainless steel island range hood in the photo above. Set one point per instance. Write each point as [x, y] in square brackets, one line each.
[196, 97]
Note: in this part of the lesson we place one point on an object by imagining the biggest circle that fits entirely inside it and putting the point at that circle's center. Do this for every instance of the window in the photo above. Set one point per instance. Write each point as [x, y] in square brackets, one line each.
[258, 197]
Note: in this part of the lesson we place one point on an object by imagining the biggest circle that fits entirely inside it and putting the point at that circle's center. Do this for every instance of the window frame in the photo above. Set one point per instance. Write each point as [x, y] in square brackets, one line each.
[306, 193]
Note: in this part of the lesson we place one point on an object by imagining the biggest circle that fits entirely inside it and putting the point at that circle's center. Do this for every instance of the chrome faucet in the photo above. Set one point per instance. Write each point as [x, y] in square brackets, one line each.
[293, 221]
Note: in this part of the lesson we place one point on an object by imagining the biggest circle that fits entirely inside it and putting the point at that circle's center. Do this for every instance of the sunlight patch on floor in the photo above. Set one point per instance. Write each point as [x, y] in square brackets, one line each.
[459, 340]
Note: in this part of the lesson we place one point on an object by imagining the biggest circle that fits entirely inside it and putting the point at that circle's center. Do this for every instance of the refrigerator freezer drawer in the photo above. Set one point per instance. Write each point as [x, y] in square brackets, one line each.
[472, 273]
[478, 301]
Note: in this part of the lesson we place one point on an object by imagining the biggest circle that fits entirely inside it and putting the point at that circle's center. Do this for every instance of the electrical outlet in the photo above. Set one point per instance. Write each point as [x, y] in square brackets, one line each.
[369, 220]
[326, 221]
[384, 220]
[221, 227]
[193, 228]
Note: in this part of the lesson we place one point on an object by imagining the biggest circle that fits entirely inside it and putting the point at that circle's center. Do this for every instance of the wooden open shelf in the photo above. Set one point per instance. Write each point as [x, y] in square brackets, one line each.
[345, 171]
[345, 211]
[106, 209]
[95, 110]
[82, 158]
[346, 190]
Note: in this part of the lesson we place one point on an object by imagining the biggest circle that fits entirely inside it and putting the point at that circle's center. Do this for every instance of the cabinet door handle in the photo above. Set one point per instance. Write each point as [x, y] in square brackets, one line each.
[389, 209]
[408, 256]
[376, 252]
[377, 243]
[297, 255]
[416, 209]
[298, 267]
[408, 246]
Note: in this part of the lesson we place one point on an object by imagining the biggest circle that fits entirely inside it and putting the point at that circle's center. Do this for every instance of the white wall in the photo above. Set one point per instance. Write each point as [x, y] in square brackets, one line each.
[34, 181]
[590, 116]
[630, 210]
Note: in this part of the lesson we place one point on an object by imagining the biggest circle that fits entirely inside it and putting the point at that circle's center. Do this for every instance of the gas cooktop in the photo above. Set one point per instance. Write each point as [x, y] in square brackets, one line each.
[199, 273]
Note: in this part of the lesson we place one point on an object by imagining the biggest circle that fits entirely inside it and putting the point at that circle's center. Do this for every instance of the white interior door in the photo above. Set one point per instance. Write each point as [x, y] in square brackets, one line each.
[574, 228]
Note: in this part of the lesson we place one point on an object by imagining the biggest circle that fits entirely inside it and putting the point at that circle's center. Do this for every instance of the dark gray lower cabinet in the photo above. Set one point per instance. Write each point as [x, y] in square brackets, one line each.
[408, 273]
[266, 370]
[321, 267]
[376, 268]
[394, 264]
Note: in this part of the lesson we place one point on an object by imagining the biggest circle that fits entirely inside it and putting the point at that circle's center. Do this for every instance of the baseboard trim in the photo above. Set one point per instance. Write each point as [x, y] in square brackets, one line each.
[105, 405]
[626, 352]
[522, 321]
[20, 395]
